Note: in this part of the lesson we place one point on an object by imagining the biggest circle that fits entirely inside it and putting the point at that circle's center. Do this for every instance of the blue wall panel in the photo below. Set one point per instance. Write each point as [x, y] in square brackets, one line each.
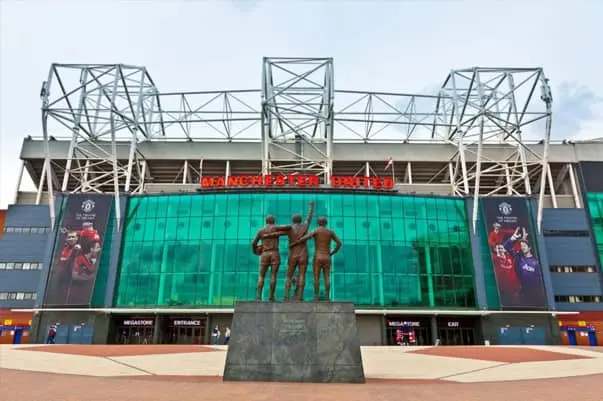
[570, 251]
[583, 307]
[565, 220]
[27, 216]
[23, 247]
[543, 256]
[576, 283]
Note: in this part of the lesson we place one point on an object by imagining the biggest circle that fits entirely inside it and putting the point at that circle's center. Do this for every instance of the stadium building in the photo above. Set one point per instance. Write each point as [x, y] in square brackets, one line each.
[461, 221]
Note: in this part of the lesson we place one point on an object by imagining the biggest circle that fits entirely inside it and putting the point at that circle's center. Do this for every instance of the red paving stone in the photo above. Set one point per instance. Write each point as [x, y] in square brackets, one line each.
[499, 354]
[17, 385]
[119, 350]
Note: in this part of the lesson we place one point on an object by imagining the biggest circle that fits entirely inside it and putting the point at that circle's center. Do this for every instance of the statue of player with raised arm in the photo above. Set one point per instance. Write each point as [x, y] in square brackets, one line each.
[269, 253]
[298, 254]
[322, 254]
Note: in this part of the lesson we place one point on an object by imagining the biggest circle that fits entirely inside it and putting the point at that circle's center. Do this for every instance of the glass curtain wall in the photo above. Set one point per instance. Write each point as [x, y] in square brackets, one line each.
[194, 250]
[595, 207]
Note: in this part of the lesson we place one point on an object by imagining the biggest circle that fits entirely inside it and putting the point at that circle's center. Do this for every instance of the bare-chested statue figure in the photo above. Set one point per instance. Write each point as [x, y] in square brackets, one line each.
[269, 253]
[298, 254]
[322, 254]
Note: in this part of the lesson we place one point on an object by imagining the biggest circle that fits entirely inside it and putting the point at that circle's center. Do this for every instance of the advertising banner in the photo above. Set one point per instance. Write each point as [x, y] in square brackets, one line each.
[513, 251]
[77, 251]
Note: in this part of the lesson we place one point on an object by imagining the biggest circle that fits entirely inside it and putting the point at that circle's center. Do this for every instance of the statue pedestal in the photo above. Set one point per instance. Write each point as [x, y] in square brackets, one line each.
[294, 342]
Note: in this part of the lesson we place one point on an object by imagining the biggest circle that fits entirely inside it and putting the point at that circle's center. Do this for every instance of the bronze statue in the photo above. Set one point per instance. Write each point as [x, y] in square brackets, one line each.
[269, 252]
[322, 254]
[298, 255]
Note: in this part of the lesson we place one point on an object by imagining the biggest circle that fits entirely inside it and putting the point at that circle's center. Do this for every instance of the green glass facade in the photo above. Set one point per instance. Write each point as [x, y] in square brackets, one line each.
[194, 250]
[595, 207]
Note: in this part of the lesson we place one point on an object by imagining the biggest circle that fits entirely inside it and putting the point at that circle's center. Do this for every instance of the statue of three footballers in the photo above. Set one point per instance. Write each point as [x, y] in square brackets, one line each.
[298, 254]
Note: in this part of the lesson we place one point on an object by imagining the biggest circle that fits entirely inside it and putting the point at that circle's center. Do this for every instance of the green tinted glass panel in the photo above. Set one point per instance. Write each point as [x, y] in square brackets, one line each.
[595, 208]
[194, 250]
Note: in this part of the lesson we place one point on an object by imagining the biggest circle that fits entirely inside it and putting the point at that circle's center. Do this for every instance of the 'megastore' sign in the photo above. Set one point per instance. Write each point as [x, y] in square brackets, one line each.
[298, 180]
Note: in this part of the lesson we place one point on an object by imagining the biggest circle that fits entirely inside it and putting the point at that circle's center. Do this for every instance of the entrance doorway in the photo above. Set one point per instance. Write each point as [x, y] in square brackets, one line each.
[456, 330]
[135, 335]
[456, 336]
[135, 330]
[184, 335]
[190, 331]
[409, 330]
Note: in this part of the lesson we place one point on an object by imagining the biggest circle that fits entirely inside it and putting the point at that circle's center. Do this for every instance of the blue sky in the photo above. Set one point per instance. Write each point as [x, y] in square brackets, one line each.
[378, 45]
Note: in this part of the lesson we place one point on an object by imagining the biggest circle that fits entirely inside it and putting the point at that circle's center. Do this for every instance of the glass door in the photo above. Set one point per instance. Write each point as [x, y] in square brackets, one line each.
[135, 335]
[456, 336]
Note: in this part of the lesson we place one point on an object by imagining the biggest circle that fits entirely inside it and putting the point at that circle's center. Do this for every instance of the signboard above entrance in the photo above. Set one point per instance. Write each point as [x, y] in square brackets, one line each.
[296, 181]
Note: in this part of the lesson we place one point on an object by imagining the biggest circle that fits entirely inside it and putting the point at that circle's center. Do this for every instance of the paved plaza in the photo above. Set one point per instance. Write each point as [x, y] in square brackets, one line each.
[154, 372]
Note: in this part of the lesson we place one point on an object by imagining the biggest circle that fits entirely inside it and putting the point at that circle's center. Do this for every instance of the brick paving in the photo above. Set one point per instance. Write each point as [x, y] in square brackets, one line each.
[499, 354]
[17, 385]
[119, 350]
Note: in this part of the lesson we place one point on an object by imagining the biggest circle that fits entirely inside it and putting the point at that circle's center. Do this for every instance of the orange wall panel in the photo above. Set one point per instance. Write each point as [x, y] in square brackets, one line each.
[594, 319]
[2, 221]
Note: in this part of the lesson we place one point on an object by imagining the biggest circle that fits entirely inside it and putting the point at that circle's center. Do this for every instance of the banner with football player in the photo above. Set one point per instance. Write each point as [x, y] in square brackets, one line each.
[513, 251]
[78, 249]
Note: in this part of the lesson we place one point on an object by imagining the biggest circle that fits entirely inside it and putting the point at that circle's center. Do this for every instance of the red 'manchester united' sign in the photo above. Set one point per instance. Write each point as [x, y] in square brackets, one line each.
[297, 180]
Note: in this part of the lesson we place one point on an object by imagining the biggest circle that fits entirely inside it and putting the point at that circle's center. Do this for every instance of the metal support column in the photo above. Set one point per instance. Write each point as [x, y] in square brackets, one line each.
[114, 152]
[19, 180]
[575, 191]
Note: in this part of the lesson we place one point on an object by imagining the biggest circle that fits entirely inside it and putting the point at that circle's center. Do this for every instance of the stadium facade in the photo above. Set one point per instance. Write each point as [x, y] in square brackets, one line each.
[454, 226]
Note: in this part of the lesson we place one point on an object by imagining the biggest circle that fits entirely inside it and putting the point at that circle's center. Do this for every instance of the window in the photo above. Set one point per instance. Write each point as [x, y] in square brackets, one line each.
[578, 298]
[397, 250]
[573, 269]
[27, 230]
[569, 233]
[17, 296]
[21, 266]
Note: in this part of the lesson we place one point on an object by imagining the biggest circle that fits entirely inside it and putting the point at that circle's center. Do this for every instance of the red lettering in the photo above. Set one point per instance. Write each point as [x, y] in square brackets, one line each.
[301, 180]
[233, 181]
[388, 183]
[313, 181]
[207, 182]
[256, 180]
[348, 181]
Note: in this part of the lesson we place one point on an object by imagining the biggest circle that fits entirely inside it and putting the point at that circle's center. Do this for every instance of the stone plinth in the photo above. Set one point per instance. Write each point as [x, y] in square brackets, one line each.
[294, 342]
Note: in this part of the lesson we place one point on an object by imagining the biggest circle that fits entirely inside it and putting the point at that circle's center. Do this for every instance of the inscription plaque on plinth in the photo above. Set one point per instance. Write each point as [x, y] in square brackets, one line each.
[296, 342]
